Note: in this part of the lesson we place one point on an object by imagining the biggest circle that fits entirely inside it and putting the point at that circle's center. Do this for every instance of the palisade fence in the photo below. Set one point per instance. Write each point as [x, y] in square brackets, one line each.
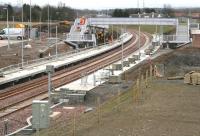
[18, 67]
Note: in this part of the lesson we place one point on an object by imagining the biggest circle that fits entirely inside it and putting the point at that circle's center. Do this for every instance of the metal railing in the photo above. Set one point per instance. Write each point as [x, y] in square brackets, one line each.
[175, 38]
[31, 63]
[132, 21]
[194, 26]
[80, 37]
[17, 67]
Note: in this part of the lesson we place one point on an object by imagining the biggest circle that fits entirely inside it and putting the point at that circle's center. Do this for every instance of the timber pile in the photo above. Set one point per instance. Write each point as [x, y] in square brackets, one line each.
[192, 78]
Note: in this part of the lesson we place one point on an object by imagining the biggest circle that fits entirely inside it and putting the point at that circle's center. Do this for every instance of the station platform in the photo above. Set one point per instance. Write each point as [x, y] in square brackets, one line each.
[91, 81]
[16, 74]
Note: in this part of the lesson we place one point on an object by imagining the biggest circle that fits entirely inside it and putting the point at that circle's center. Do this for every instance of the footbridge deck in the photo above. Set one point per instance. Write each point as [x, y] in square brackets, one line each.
[133, 21]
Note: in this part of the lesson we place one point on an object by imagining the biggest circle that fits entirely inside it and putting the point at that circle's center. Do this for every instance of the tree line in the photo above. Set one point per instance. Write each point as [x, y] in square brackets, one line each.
[61, 12]
[128, 12]
[167, 11]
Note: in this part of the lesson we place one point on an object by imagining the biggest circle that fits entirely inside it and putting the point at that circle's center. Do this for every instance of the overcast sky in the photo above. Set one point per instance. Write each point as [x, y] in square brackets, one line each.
[105, 4]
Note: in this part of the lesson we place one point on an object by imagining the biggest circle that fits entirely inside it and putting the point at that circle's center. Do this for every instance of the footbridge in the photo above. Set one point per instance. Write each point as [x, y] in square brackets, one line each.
[80, 32]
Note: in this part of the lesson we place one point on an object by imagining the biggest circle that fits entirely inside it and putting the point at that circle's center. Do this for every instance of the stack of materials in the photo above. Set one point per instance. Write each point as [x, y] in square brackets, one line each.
[192, 78]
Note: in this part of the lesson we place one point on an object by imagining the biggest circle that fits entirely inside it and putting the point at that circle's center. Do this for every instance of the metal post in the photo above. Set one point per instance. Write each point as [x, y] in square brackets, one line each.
[22, 35]
[112, 33]
[56, 41]
[30, 21]
[122, 39]
[28, 30]
[49, 84]
[5, 127]
[40, 26]
[8, 31]
[13, 21]
[156, 31]
[161, 33]
[104, 36]
[117, 33]
[139, 41]
[146, 79]
[151, 69]
[138, 6]
[8, 28]
[50, 27]
[48, 19]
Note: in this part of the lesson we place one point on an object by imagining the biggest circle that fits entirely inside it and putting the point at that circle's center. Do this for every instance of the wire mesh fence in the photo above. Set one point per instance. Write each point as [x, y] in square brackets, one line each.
[77, 122]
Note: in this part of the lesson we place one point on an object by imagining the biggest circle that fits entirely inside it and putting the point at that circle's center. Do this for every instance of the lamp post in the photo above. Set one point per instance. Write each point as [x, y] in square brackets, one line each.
[139, 41]
[13, 21]
[139, 29]
[40, 26]
[8, 28]
[122, 40]
[56, 41]
[30, 27]
[48, 19]
[48, 24]
[112, 33]
[22, 35]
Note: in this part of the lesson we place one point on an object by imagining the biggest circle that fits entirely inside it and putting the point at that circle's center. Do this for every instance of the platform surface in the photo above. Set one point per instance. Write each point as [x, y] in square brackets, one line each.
[99, 77]
[40, 67]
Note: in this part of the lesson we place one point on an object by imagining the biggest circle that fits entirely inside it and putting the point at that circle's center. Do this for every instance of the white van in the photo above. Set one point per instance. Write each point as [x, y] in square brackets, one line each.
[13, 33]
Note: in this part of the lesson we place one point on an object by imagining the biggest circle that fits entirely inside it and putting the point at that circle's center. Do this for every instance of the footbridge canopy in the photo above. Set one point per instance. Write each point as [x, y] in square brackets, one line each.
[133, 21]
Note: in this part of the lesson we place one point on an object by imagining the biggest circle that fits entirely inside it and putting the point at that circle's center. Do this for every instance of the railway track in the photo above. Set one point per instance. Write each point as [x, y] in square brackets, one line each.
[40, 87]
[12, 91]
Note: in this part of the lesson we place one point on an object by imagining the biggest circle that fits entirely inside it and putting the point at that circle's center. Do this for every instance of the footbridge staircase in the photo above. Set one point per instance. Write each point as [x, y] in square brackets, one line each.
[182, 35]
[79, 34]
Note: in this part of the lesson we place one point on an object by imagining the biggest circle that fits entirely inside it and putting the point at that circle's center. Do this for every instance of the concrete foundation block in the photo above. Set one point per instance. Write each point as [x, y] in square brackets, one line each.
[55, 97]
[137, 57]
[131, 60]
[114, 79]
[117, 67]
[126, 63]
[73, 96]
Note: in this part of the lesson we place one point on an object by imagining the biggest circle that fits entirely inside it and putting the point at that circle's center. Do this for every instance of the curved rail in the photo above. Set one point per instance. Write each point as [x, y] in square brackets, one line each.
[40, 87]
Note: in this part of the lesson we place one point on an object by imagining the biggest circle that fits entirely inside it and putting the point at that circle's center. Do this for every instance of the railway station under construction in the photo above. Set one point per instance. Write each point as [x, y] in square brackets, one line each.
[55, 85]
